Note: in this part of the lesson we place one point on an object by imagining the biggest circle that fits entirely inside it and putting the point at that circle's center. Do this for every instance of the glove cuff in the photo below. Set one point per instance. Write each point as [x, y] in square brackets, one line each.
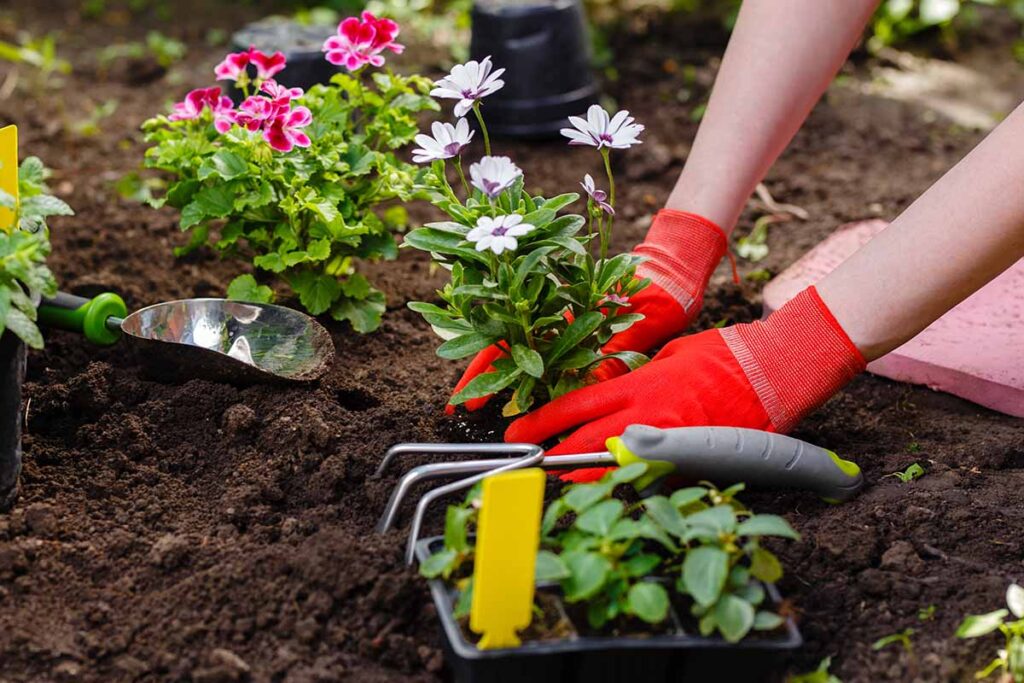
[795, 359]
[682, 251]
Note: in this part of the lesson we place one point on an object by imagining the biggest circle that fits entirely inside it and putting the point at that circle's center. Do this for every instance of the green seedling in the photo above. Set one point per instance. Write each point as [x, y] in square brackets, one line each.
[819, 675]
[619, 560]
[1010, 658]
[759, 275]
[163, 49]
[24, 246]
[90, 125]
[914, 471]
[926, 613]
[902, 638]
[40, 55]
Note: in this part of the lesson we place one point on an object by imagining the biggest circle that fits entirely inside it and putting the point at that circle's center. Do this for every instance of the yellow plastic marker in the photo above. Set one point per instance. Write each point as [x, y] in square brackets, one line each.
[8, 171]
[507, 538]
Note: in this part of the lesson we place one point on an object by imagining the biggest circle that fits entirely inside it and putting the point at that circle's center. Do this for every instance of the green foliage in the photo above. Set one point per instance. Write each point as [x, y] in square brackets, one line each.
[40, 55]
[819, 675]
[914, 471]
[902, 638]
[549, 303]
[1011, 658]
[626, 561]
[163, 49]
[24, 246]
[307, 216]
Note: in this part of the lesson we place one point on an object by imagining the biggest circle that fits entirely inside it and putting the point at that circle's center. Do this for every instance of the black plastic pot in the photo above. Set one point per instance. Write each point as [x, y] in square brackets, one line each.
[668, 658]
[12, 375]
[301, 44]
[546, 53]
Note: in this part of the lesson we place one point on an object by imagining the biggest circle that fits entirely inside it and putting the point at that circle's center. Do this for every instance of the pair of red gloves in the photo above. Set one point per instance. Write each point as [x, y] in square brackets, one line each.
[763, 375]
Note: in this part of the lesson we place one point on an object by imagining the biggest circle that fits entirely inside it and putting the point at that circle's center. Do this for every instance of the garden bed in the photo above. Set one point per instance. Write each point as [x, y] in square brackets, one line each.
[205, 531]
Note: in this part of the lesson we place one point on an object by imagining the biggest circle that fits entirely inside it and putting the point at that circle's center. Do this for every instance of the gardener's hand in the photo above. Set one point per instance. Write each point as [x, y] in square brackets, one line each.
[763, 375]
[682, 250]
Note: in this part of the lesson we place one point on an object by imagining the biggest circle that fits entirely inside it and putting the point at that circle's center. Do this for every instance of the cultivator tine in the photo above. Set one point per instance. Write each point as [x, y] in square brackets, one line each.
[528, 455]
[424, 473]
[535, 457]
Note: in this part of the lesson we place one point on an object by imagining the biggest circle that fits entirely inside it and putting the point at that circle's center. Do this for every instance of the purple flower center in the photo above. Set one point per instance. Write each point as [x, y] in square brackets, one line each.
[452, 148]
[469, 94]
[499, 231]
[599, 196]
[491, 187]
[605, 137]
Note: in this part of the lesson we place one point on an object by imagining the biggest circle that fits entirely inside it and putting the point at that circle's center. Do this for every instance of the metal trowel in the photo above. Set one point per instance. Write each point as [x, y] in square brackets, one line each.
[225, 340]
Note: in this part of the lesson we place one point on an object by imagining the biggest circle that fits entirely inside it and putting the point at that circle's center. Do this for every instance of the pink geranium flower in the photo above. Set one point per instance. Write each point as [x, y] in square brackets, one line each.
[278, 92]
[233, 66]
[256, 111]
[267, 66]
[284, 132]
[361, 41]
[196, 101]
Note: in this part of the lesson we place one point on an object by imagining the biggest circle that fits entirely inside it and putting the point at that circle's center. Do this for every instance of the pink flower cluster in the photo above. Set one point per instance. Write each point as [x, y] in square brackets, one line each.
[235, 65]
[198, 100]
[361, 41]
[269, 111]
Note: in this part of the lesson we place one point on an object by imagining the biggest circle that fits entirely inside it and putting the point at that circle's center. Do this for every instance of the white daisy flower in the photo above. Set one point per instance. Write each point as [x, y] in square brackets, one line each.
[448, 141]
[600, 130]
[498, 234]
[468, 83]
[493, 175]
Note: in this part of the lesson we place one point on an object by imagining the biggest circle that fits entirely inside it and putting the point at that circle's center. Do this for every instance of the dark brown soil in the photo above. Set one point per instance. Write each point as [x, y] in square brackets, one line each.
[210, 533]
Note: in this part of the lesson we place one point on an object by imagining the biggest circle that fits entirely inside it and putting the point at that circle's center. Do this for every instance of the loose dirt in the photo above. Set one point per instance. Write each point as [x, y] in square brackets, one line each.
[204, 532]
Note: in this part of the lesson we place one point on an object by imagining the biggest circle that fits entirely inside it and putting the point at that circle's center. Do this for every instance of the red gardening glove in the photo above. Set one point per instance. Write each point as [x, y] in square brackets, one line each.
[682, 250]
[763, 375]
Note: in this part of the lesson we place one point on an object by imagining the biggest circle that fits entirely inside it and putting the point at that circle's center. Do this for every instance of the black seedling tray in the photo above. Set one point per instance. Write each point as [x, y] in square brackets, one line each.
[12, 375]
[664, 658]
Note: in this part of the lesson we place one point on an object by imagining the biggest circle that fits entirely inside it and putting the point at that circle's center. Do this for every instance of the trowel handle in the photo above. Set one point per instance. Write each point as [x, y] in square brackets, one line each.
[88, 316]
[726, 455]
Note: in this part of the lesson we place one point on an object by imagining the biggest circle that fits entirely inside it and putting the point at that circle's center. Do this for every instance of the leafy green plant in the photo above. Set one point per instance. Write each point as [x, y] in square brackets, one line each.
[523, 277]
[163, 49]
[627, 560]
[914, 471]
[24, 246]
[926, 613]
[902, 638]
[1011, 657]
[295, 182]
[819, 675]
[40, 55]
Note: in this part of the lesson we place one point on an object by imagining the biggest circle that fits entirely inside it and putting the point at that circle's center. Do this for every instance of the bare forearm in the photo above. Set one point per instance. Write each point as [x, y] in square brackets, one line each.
[959, 235]
[781, 57]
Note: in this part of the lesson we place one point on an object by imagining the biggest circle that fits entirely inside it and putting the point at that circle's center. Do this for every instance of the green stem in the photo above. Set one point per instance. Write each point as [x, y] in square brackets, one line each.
[462, 176]
[606, 234]
[483, 128]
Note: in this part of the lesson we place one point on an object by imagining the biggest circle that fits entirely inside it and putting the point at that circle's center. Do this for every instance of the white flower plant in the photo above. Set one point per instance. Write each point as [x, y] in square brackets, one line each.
[523, 276]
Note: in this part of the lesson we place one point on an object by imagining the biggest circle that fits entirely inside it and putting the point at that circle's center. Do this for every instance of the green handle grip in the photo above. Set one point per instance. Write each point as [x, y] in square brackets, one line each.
[88, 316]
[727, 455]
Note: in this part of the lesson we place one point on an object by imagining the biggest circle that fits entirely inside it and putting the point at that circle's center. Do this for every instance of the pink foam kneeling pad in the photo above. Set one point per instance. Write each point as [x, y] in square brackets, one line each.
[975, 351]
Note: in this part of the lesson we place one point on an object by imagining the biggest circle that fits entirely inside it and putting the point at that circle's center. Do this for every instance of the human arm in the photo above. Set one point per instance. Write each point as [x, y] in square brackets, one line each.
[959, 235]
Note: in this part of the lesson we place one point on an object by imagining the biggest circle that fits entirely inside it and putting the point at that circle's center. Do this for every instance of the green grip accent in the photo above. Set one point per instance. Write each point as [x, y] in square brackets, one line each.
[656, 468]
[90, 318]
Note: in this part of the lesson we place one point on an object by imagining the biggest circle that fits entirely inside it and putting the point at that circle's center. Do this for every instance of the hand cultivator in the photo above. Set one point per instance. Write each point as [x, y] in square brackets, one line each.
[719, 454]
